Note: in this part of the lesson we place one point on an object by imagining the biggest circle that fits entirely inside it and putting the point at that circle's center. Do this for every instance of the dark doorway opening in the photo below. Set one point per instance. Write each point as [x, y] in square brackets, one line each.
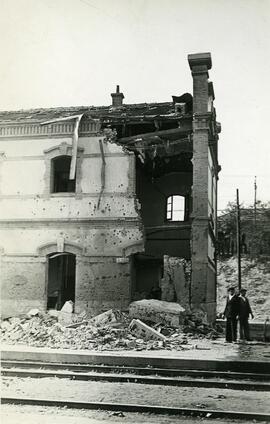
[146, 277]
[61, 279]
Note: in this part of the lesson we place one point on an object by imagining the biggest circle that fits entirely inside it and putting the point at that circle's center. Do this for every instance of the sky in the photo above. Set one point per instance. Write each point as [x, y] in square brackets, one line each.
[74, 52]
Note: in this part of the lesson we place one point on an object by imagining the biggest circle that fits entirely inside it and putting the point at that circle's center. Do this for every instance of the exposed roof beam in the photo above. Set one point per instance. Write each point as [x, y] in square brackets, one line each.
[65, 118]
[155, 134]
[73, 162]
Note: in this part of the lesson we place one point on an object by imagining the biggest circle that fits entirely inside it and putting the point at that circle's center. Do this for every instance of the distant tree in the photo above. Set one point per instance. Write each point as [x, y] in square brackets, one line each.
[227, 221]
[255, 233]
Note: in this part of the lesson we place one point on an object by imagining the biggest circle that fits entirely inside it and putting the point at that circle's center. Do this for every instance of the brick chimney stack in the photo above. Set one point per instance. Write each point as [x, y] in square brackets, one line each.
[203, 279]
[117, 98]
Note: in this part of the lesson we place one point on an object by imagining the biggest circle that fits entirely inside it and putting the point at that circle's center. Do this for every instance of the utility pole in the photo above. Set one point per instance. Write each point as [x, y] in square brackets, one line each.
[238, 234]
[254, 229]
[255, 204]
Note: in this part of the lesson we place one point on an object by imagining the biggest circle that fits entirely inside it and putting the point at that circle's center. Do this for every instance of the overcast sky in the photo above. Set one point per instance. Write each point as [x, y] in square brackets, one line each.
[74, 52]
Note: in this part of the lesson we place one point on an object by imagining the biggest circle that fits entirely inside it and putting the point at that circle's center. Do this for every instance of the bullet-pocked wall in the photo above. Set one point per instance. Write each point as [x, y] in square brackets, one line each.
[99, 225]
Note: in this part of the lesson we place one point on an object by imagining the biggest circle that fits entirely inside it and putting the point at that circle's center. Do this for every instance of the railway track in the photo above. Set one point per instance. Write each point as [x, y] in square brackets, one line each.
[153, 409]
[146, 375]
[148, 370]
[140, 375]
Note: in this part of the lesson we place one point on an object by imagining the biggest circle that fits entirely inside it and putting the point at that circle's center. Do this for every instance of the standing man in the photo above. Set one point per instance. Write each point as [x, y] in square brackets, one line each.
[231, 312]
[244, 311]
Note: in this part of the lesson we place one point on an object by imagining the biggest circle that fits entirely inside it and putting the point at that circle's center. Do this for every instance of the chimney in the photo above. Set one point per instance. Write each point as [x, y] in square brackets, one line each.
[199, 64]
[117, 98]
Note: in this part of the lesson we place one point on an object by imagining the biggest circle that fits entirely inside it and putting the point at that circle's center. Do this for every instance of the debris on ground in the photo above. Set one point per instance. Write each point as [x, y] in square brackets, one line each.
[111, 330]
[157, 311]
[117, 414]
[68, 307]
[65, 316]
[33, 312]
[140, 329]
[76, 324]
[105, 318]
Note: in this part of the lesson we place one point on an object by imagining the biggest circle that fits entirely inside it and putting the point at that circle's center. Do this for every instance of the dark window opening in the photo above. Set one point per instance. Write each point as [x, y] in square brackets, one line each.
[60, 170]
[175, 208]
[61, 279]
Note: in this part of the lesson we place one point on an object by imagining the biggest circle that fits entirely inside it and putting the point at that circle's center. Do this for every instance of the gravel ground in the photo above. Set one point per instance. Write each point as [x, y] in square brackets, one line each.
[195, 349]
[52, 388]
[12, 414]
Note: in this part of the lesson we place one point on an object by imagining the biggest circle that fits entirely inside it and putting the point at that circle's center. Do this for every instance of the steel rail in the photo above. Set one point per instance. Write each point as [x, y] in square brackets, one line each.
[154, 380]
[168, 372]
[154, 409]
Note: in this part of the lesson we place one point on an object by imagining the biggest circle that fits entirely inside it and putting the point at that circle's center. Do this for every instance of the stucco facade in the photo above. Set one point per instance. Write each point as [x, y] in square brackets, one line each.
[36, 222]
[100, 239]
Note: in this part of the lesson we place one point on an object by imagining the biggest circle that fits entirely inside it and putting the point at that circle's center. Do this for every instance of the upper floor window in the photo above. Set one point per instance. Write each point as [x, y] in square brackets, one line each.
[60, 175]
[176, 208]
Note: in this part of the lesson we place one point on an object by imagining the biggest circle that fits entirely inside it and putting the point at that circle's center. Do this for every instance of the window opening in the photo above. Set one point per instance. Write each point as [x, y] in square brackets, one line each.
[60, 169]
[176, 208]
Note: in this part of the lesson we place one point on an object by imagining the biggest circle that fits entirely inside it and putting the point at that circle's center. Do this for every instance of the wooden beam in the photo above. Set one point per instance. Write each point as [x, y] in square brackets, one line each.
[103, 167]
[66, 118]
[78, 118]
[73, 162]
[155, 134]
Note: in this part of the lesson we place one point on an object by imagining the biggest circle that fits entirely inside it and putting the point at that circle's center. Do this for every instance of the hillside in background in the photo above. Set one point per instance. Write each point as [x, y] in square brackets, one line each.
[255, 230]
[255, 278]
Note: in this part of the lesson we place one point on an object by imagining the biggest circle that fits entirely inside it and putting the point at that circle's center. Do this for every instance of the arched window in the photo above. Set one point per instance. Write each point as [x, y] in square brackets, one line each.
[60, 175]
[175, 208]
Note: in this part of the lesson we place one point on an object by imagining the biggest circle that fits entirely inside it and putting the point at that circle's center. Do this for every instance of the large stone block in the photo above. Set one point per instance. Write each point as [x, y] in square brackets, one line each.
[144, 331]
[157, 311]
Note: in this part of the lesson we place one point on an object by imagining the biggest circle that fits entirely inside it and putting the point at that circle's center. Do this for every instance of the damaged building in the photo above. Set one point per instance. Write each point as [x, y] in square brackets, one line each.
[105, 205]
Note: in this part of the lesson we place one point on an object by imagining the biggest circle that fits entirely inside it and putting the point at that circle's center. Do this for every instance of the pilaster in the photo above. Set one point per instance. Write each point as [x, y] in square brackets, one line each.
[203, 274]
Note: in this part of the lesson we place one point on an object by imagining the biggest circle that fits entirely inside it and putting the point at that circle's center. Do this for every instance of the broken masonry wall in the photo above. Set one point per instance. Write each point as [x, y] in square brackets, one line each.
[35, 222]
[22, 285]
[175, 284]
[104, 284]
[164, 238]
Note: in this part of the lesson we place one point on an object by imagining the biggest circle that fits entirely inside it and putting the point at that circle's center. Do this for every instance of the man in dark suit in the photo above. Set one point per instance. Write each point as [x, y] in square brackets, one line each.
[244, 312]
[231, 312]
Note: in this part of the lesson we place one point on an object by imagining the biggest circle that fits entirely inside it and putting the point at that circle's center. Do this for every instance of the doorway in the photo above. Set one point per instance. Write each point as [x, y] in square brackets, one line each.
[61, 279]
[146, 276]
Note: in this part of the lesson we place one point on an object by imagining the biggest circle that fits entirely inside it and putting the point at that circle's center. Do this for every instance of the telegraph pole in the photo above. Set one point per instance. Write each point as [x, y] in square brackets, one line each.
[254, 229]
[238, 233]
[255, 204]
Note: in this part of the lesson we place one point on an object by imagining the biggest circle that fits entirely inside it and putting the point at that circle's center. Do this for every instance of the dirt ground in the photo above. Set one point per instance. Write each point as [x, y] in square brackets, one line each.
[89, 391]
[42, 415]
[12, 414]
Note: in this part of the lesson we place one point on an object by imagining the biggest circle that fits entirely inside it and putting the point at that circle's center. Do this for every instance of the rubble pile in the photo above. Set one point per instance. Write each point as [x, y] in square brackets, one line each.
[196, 325]
[111, 330]
[157, 311]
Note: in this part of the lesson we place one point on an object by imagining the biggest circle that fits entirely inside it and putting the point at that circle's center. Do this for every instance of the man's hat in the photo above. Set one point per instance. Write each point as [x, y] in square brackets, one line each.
[231, 288]
[243, 291]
